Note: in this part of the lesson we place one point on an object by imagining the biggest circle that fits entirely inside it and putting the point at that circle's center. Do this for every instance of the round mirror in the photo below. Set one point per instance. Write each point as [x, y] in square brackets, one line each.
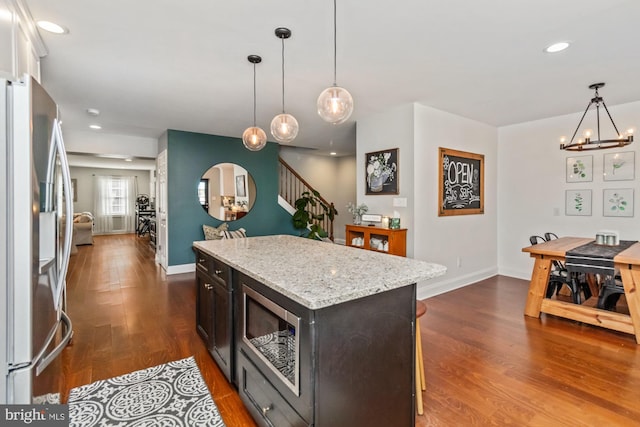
[226, 191]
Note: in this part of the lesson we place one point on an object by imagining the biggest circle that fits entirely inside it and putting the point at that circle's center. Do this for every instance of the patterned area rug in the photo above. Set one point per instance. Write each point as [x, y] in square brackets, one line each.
[173, 394]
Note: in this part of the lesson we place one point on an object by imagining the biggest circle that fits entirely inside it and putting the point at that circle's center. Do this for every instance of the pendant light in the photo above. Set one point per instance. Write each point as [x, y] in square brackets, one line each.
[597, 143]
[284, 127]
[254, 138]
[335, 103]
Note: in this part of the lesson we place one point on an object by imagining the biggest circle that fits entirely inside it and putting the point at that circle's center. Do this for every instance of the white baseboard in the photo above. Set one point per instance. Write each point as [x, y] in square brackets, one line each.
[432, 288]
[179, 269]
[524, 275]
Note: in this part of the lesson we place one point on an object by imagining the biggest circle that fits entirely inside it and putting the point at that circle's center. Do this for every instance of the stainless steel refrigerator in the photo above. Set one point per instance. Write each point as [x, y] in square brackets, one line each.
[36, 211]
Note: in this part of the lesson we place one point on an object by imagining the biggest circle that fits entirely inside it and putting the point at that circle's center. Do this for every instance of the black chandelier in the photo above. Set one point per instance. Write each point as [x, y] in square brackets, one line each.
[587, 143]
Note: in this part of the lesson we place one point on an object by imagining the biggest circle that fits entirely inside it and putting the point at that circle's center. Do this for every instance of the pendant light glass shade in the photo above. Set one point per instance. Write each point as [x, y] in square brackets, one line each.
[254, 138]
[335, 105]
[284, 127]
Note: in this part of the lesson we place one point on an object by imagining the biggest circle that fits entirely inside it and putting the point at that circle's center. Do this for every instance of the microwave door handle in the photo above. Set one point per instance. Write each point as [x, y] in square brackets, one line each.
[68, 229]
[44, 361]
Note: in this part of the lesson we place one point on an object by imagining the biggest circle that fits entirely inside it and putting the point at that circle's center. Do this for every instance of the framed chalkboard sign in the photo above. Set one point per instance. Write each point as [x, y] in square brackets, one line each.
[461, 183]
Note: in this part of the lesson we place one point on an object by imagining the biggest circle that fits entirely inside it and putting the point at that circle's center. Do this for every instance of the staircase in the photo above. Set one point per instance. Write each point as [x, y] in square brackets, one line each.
[292, 185]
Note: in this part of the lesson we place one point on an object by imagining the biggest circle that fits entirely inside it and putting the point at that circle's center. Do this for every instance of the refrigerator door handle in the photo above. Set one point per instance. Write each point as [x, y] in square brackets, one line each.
[43, 361]
[66, 182]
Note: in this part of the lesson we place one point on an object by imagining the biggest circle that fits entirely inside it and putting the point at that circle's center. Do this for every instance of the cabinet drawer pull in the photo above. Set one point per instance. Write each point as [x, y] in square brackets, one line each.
[266, 409]
[202, 263]
[208, 286]
[218, 272]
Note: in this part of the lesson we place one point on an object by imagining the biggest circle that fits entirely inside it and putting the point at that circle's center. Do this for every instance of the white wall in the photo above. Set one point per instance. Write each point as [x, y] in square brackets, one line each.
[466, 244]
[391, 129]
[85, 186]
[417, 131]
[532, 185]
[109, 144]
[333, 177]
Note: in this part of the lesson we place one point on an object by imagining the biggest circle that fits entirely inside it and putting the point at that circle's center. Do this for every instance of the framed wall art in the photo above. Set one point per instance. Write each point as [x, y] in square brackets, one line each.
[619, 166]
[241, 187]
[74, 189]
[381, 170]
[460, 183]
[578, 202]
[580, 169]
[617, 202]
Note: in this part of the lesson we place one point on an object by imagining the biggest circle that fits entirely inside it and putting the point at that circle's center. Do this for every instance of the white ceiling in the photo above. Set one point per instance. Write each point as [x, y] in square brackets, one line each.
[150, 65]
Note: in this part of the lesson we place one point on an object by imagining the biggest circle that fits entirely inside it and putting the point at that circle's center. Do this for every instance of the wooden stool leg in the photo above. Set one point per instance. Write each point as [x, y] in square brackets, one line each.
[419, 370]
[423, 381]
[418, 388]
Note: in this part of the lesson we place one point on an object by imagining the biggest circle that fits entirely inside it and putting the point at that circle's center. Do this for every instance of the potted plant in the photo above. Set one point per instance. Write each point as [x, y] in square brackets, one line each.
[357, 211]
[306, 217]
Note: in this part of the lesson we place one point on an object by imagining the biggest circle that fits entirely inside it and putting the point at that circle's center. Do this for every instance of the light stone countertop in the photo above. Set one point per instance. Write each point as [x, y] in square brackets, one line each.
[318, 274]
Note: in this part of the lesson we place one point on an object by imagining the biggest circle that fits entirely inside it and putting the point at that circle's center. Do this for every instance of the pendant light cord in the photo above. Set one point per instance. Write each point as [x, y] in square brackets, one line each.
[335, 44]
[282, 75]
[254, 95]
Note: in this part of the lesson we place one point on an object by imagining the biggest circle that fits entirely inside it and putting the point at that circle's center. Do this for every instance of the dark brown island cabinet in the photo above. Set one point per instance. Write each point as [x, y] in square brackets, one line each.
[214, 314]
[316, 361]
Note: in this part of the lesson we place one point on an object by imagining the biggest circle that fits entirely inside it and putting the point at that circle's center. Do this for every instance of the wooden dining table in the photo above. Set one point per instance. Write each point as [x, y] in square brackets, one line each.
[626, 262]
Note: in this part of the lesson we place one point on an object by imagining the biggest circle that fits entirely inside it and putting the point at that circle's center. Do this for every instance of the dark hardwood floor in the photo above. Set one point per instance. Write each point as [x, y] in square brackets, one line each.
[128, 315]
[486, 363]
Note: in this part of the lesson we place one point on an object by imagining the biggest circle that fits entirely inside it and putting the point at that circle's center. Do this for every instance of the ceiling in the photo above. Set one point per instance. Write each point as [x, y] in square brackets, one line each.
[152, 65]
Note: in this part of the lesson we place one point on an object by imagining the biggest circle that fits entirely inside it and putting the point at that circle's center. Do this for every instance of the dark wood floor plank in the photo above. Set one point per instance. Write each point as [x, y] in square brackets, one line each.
[486, 363]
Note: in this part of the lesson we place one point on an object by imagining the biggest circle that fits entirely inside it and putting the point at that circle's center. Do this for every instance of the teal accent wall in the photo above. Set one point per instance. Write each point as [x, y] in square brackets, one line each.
[189, 155]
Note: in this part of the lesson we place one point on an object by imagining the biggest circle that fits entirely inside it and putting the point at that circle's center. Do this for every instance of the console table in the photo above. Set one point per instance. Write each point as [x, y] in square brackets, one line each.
[395, 238]
[627, 262]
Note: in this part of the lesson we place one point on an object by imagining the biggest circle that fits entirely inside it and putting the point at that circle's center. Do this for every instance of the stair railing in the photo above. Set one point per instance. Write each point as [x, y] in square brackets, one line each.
[291, 187]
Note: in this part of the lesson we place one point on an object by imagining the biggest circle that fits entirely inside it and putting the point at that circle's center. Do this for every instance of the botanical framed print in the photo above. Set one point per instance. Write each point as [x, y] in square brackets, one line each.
[578, 202]
[381, 169]
[619, 166]
[617, 202]
[460, 183]
[580, 169]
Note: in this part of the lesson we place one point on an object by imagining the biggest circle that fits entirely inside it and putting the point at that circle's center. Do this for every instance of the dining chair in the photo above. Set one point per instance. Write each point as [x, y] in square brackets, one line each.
[610, 293]
[575, 281]
[559, 276]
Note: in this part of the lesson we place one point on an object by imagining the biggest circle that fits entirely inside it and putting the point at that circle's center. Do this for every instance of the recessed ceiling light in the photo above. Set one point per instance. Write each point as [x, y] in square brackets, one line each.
[557, 47]
[52, 27]
[96, 127]
[93, 111]
[333, 153]
[129, 159]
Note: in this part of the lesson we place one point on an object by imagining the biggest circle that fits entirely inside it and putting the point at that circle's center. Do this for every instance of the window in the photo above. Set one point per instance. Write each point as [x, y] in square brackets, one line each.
[114, 201]
[117, 196]
[203, 193]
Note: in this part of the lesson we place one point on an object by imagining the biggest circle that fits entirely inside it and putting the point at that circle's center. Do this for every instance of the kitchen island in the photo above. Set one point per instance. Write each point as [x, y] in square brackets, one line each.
[340, 321]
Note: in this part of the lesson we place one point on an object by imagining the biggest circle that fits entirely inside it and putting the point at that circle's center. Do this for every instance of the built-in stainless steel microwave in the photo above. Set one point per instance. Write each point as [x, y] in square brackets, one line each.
[272, 334]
